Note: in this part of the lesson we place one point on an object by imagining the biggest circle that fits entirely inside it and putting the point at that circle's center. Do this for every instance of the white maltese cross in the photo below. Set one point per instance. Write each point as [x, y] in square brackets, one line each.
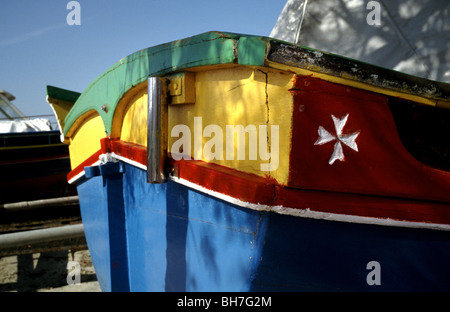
[347, 139]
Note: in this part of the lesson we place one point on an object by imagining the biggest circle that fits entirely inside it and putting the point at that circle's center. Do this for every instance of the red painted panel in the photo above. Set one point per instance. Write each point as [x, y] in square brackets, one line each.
[365, 206]
[131, 151]
[88, 162]
[380, 166]
[239, 185]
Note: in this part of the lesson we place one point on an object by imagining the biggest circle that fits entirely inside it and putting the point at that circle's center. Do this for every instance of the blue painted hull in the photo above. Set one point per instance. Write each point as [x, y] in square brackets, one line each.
[168, 237]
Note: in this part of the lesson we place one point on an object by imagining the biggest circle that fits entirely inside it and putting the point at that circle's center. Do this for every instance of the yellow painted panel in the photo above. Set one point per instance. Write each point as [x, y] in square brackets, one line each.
[234, 97]
[134, 125]
[61, 109]
[238, 97]
[85, 141]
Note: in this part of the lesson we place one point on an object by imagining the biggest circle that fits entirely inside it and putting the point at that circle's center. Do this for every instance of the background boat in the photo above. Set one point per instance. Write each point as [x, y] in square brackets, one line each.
[34, 162]
[35, 196]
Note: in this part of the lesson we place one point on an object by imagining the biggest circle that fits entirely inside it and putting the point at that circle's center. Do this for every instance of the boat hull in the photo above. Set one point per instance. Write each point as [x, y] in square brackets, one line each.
[33, 165]
[320, 174]
[170, 237]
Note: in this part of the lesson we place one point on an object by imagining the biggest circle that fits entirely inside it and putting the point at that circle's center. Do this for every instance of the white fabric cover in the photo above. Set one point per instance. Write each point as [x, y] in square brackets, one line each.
[32, 125]
[413, 36]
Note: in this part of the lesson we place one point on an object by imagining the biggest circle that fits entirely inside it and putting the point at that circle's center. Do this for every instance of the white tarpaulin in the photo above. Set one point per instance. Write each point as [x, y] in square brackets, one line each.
[32, 125]
[411, 36]
[13, 120]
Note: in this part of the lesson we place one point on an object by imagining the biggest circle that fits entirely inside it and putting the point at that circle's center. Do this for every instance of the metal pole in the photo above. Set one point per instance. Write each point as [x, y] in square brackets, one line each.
[19, 239]
[25, 205]
[157, 130]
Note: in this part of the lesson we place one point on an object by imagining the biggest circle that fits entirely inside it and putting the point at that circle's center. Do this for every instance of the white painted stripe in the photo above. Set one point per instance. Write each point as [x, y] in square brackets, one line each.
[82, 173]
[129, 161]
[308, 213]
[106, 157]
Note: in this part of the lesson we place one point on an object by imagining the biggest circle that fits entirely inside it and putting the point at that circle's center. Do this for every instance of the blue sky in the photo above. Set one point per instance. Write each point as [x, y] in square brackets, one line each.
[39, 48]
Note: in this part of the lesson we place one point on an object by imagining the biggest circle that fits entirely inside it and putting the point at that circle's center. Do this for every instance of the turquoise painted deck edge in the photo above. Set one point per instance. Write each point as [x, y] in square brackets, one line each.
[209, 48]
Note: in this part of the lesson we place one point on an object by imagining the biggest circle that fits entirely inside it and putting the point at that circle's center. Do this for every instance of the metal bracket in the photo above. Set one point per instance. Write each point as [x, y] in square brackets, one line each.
[181, 88]
[157, 130]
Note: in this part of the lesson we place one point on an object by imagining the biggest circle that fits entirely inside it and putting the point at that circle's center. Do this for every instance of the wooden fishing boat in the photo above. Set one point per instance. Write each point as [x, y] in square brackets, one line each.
[227, 162]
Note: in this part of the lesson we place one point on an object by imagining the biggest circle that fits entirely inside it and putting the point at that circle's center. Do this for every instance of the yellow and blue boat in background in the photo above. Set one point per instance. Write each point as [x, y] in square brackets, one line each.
[229, 162]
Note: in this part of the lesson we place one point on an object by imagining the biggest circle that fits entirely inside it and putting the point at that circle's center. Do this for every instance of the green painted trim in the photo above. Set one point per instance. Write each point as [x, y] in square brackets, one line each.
[209, 48]
[62, 94]
[252, 50]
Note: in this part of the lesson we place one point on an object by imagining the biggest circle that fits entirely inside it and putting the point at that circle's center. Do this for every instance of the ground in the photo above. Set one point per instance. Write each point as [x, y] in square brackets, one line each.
[47, 272]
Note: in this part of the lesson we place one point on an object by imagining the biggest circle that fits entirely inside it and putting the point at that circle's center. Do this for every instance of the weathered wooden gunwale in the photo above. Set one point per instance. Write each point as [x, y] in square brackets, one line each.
[217, 48]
